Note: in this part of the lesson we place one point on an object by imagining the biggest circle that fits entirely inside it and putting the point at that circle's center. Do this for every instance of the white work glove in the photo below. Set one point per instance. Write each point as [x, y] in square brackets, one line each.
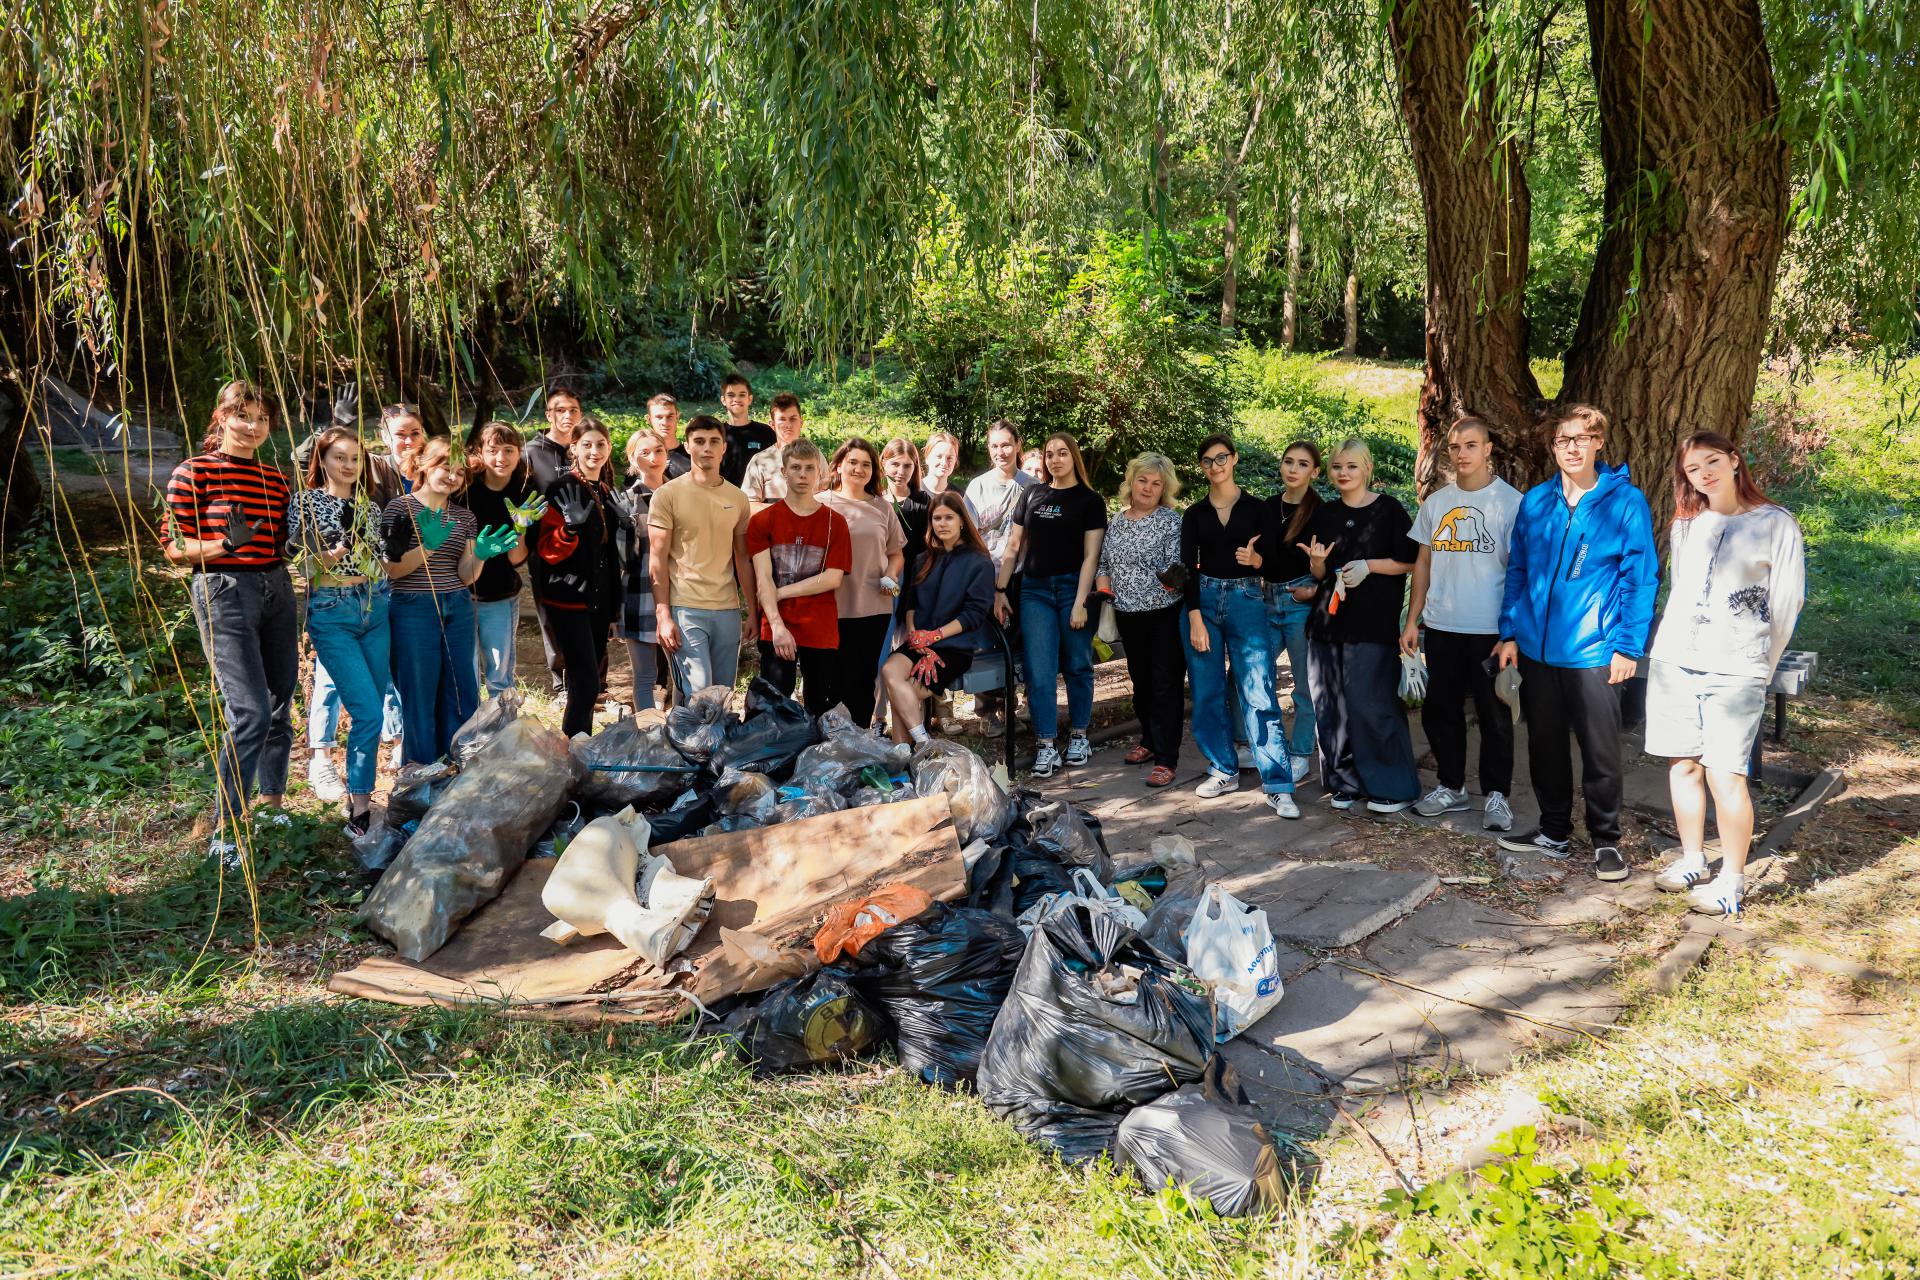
[1353, 573]
[1413, 678]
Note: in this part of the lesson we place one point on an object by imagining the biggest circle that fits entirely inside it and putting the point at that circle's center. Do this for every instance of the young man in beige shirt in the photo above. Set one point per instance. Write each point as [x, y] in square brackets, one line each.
[697, 536]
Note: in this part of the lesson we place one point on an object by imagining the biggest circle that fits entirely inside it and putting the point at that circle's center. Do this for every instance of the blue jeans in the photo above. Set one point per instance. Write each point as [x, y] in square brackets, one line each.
[434, 665]
[709, 651]
[1234, 611]
[1287, 623]
[498, 624]
[351, 643]
[323, 710]
[1050, 642]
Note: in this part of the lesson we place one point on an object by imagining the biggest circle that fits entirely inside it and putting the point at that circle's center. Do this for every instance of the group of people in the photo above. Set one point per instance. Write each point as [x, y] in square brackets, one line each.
[872, 574]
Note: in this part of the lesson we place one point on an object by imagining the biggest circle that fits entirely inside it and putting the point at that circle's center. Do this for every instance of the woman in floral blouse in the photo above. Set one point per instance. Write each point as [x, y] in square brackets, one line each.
[1138, 569]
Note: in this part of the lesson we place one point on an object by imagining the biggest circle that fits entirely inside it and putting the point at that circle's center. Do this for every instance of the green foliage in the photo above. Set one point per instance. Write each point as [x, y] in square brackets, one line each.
[642, 364]
[1291, 398]
[1096, 343]
[1521, 1219]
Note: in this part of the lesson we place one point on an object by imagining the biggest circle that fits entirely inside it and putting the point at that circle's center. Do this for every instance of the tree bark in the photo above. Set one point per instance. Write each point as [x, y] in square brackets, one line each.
[1474, 190]
[1290, 301]
[1230, 279]
[1350, 307]
[1697, 189]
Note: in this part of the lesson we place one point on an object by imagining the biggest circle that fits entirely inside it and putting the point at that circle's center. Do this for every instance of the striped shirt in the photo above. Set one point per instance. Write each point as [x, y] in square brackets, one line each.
[400, 533]
[204, 489]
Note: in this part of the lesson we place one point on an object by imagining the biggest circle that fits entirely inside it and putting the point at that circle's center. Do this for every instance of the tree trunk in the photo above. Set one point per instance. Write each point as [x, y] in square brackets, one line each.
[1350, 306]
[20, 499]
[1230, 280]
[1290, 302]
[1697, 190]
[1478, 209]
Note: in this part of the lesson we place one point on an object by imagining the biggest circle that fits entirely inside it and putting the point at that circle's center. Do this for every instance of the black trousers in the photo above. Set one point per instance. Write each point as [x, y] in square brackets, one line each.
[556, 652]
[1365, 749]
[1157, 666]
[1563, 701]
[1456, 671]
[856, 665]
[816, 665]
[580, 636]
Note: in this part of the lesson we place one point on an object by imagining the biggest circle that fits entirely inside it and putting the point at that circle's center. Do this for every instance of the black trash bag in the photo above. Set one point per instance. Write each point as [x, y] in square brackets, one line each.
[698, 726]
[1204, 1136]
[415, 790]
[834, 762]
[571, 822]
[815, 1021]
[777, 729]
[483, 726]
[627, 763]
[1166, 927]
[1009, 879]
[375, 851]
[940, 978]
[1071, 835]
[746, 795]
[1065, 1060]
[690, 815]
[732, 822]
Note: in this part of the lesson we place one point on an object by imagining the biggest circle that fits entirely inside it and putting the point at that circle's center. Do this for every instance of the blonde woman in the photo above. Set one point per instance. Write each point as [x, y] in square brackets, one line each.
[1359, 552]
[1137, 569]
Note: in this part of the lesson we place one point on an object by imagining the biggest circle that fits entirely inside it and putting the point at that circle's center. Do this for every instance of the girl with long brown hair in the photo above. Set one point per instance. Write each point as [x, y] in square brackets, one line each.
[947, 603]
[864, 600]
[500, 492]
[1291, 589]
[1738, 579]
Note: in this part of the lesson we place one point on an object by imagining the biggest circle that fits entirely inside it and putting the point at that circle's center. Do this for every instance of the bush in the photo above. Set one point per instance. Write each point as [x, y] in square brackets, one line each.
[643, 365]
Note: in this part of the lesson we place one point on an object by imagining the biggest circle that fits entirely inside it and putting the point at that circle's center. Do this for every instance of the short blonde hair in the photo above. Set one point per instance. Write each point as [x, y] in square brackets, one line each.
[637, 439]
[1357, 447]
[1160, 466]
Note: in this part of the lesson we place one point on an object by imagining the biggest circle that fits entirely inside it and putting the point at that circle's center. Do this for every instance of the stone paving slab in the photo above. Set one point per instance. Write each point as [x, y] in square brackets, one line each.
[1329, 905]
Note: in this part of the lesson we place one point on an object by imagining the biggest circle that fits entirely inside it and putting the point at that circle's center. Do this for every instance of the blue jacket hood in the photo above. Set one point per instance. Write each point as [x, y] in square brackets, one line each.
[1581, 580]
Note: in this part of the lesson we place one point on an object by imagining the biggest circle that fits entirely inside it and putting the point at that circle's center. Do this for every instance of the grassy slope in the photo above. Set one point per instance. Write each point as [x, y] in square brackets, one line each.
[271, 1130]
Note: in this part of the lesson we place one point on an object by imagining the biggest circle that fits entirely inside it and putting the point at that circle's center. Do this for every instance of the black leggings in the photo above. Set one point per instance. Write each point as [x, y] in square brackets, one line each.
[580, 637]
[815, 667]
[1158, 668]
[856, 665]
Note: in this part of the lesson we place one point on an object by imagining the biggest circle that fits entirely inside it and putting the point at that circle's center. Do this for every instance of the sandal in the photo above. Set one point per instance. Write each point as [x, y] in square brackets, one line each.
[1139, 755]
[1160, 776]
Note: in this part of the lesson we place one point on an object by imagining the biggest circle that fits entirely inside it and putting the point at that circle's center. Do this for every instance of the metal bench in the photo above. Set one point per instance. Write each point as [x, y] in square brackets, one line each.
[1790, 680]
[993, 669]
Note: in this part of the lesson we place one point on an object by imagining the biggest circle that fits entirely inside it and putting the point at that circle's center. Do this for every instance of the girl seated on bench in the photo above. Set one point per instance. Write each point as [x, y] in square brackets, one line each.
[946, 605]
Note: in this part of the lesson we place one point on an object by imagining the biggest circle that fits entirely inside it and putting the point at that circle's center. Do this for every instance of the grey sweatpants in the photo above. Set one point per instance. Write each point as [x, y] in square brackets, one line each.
[250, 630]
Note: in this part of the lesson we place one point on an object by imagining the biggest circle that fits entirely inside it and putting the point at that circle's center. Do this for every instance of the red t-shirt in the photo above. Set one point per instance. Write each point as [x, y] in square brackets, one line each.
[802, 546]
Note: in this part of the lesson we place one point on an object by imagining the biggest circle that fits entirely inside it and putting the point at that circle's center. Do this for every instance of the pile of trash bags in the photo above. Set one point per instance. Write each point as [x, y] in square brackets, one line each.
[1084, 1001]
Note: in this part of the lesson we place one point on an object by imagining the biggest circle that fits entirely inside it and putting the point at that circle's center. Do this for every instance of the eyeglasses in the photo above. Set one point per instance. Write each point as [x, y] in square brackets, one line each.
[1214, 461]
[1576, 442]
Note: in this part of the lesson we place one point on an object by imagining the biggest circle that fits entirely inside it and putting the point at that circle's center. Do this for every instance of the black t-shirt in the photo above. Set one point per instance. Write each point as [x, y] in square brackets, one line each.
[742, 444]
[1057, 522]
[679, 463]
[1378, 531]
[1282, 559]
[498, 579]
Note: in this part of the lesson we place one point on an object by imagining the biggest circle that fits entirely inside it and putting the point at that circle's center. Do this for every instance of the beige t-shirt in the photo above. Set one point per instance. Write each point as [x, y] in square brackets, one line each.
[700, 521]
[876, 535]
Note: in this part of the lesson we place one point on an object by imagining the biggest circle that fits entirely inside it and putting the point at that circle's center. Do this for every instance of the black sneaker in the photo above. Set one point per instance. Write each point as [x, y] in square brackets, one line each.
[1535, 841]
[1340, 800]
[1608, 864]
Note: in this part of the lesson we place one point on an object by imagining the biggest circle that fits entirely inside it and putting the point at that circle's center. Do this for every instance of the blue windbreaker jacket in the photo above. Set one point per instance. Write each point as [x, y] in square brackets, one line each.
[1581, 580]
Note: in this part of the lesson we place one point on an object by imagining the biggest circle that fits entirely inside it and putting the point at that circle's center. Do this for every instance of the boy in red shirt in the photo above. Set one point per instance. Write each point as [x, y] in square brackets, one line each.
[800, 549]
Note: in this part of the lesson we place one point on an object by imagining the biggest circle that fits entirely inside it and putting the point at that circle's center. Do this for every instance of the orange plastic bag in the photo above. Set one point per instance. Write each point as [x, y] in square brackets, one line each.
[851, 925]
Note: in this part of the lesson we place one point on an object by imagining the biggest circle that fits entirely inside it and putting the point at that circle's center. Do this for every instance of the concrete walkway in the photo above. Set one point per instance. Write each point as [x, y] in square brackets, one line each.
[1415, 947]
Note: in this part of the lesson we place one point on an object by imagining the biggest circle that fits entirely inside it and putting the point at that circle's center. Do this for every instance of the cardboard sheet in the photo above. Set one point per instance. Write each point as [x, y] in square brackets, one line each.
[777, 882]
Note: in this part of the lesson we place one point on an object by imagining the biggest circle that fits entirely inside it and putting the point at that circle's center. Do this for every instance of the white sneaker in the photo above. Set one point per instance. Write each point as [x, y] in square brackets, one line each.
[1281, 802]
[1046, 761]
[1215, 784]
[1302, 769]
[1499, 815]
[1079, 749]
[1720, 896]
[1685, 871]
[323, 777]
[1441, 799]
[1244, 754]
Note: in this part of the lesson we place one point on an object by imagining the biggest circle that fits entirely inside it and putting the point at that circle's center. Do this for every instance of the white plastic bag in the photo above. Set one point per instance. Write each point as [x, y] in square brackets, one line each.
[1231, 949]
[1109, 628]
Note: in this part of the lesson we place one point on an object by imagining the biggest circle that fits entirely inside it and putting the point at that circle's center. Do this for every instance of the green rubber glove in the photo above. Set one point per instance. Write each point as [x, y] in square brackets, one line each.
[492, 542]
[527, 514]
[435, 528]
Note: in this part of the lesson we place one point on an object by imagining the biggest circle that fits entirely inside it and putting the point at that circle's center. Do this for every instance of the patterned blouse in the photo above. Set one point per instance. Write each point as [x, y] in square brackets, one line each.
[317, 522]
[1134, 553]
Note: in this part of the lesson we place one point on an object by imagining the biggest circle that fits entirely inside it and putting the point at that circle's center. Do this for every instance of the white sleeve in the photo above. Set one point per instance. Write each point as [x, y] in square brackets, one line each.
[1786, 584]
[1423, 522]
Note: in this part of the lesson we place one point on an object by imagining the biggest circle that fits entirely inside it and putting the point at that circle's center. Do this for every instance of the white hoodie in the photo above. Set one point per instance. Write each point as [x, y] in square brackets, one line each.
[1737, 586]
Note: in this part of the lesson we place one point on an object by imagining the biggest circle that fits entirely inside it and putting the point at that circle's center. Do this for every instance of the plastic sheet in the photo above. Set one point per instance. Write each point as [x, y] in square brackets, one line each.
[1066, 1059]
[982, 810]
[1064, 831]
[941, 978]
[1206, 1137]
[777, 729]
[483, 726]
[472, 840]
[851, 925]
[698, 726]
[816, 1021]
[630, 764]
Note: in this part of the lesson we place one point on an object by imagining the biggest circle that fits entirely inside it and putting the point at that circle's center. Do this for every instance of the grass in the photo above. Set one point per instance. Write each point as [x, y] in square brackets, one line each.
[182, 1098]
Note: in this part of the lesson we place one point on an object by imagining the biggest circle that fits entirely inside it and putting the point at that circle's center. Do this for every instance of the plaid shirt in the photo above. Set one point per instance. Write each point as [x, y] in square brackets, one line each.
[637, 620]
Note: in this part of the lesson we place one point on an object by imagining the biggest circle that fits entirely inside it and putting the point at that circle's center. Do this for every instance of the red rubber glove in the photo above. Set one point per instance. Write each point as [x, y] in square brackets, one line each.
[925, 670]
[923, 640]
